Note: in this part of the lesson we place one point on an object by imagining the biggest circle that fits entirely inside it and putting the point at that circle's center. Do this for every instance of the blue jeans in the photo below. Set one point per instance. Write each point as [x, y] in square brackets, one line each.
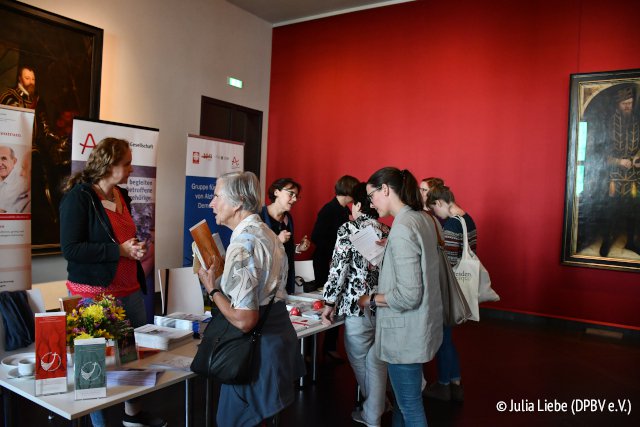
[447, 359]
[134, 307]
[406, 381]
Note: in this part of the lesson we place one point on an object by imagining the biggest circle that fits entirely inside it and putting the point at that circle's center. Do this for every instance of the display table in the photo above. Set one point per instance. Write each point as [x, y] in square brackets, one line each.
[312, 331]
[65, 405]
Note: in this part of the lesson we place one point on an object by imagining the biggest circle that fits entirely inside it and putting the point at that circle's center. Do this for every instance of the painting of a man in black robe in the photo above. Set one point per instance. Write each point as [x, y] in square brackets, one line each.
[48, 65]
[606, 203]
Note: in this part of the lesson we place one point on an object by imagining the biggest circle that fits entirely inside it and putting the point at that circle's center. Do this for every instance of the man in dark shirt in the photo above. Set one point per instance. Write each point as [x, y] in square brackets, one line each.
[325, 231]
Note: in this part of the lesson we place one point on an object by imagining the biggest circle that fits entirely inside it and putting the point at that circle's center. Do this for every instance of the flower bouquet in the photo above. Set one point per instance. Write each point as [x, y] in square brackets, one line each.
[102, 317]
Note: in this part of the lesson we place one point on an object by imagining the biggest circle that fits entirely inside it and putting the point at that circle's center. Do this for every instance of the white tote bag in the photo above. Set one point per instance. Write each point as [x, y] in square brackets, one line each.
[473, 277]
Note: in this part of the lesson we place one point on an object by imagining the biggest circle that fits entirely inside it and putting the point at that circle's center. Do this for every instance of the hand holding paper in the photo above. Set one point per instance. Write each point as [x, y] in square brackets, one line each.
[367, 242]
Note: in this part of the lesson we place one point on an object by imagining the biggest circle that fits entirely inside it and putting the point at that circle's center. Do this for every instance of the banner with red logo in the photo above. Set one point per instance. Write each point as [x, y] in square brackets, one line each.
[16, 130]
[207, 159]
[141, 183]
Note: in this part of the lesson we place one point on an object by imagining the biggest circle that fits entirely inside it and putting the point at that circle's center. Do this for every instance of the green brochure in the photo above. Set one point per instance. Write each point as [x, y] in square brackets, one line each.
[90, 375]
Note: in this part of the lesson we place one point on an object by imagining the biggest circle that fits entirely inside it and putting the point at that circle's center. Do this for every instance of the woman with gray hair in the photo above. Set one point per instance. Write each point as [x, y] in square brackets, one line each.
[255, 271]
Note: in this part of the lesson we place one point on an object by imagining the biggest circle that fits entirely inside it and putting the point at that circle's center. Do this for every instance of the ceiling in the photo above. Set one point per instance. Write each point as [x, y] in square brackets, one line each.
[283, 12]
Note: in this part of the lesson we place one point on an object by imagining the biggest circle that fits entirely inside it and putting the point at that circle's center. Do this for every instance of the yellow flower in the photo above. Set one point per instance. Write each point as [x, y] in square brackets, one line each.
[83, 336]
[95, 312]
[102, 333]
[119, 313]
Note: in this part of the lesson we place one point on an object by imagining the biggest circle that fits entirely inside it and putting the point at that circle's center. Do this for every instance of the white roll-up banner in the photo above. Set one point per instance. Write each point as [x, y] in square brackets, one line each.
[141, 184]
[16, 130]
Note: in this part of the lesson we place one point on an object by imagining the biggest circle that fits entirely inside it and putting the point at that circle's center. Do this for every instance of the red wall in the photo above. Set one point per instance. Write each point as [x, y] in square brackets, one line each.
[475, 92]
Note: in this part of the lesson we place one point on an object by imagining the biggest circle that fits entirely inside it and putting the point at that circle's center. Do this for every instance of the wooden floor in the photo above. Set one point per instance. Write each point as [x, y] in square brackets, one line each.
[502, 361]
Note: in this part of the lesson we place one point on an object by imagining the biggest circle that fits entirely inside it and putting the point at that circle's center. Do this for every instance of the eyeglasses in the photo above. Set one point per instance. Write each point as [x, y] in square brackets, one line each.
[292, 194]
[370, 195]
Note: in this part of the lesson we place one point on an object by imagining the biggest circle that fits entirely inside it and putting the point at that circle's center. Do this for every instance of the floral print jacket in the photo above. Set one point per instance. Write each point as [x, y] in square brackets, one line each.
[350, 274]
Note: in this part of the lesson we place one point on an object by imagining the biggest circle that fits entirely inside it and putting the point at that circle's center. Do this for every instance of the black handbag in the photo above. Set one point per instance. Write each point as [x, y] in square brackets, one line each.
[226, 354]
[455, 309]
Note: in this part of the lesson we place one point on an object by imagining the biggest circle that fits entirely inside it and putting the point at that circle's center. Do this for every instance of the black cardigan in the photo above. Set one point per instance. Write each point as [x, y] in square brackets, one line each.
[87, 238]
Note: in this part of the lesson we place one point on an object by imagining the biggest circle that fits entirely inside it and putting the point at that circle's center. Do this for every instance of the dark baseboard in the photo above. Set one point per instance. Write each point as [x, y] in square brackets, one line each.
[626, 335]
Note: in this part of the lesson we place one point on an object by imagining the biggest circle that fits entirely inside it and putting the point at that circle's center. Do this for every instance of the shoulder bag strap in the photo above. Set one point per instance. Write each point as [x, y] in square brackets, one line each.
[440, 241]
[263, 319]
[465, 250]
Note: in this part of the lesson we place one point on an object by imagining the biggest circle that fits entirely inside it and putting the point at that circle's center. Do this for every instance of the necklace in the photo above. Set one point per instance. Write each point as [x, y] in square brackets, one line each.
[111, 198]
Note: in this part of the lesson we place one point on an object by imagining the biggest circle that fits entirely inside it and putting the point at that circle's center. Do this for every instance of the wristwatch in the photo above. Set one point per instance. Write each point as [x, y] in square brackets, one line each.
[372, 301]
[213, 291]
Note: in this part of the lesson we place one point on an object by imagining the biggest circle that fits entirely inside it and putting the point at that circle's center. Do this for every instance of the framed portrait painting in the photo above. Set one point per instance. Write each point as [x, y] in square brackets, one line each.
[51, 64]
[602, 210]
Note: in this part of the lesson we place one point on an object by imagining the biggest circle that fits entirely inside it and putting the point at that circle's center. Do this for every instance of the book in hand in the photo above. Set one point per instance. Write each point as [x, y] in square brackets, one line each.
[90, 368]
[207, 248]
[160, 337]
[51, 353]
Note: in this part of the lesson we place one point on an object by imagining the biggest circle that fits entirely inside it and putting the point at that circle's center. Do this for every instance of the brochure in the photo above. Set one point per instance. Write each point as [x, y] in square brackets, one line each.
[89, 369]
[51, 353]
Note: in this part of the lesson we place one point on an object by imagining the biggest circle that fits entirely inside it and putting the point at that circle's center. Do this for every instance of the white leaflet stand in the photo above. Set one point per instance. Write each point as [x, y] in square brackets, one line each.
[180, 291]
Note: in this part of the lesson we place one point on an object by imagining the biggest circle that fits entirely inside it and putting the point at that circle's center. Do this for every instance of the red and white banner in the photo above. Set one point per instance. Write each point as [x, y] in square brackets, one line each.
[16, 129]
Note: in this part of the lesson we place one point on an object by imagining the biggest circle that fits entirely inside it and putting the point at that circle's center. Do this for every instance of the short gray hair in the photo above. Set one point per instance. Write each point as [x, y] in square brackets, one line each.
[242, 189]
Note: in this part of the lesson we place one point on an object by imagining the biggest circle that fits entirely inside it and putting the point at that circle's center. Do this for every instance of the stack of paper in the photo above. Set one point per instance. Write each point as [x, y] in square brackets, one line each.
[185, 321]
[301, 323]
[160, 337]
[172, 361]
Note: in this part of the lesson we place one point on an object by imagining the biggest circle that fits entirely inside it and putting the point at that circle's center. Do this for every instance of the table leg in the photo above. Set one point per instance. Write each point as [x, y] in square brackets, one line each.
[301, 383]
[208, 412]
[315, 357]
[187, 402]
[6, 405]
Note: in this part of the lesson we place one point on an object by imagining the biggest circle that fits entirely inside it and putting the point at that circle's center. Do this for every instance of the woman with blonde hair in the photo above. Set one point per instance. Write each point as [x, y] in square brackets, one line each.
[98, 240]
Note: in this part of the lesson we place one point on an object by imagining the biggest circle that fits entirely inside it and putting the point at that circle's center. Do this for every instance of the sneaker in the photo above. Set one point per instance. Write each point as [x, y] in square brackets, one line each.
[457, 392]
[357, 417]
[438, 391]
[142, 419]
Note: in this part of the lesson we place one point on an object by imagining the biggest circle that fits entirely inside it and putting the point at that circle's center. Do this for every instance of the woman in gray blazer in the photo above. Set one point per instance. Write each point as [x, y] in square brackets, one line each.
[409, 306]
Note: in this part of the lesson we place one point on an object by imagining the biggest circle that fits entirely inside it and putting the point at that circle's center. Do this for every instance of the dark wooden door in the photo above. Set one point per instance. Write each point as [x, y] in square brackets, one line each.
[220, 119]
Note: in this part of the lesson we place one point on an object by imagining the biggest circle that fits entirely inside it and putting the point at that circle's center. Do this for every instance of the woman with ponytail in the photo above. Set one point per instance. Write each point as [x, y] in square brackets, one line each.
[408, 302]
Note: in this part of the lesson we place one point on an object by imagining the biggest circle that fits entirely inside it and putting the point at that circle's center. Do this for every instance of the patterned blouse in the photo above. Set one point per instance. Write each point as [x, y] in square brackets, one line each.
[454, 237]
[350, 274]
[255, 265]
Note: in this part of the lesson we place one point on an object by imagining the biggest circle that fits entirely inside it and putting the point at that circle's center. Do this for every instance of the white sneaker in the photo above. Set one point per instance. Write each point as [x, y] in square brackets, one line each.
[357, 417]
